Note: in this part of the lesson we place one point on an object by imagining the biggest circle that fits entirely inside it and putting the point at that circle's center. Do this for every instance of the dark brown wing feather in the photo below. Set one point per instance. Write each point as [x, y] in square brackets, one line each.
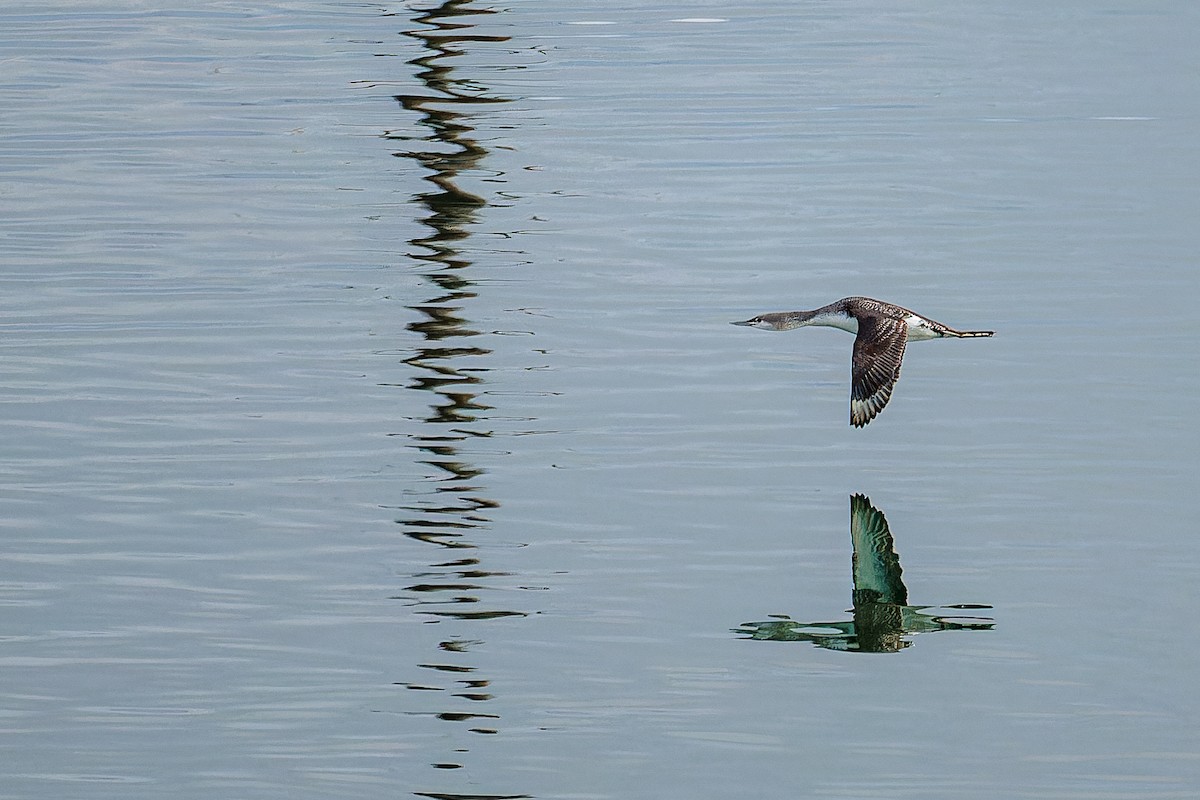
[875, 368]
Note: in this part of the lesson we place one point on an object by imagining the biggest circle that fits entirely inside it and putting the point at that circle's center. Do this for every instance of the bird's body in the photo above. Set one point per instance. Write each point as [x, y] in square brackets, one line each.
[881, 331]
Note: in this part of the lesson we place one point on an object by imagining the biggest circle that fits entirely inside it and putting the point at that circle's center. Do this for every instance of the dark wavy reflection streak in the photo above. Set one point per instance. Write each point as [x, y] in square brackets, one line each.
[452, 514]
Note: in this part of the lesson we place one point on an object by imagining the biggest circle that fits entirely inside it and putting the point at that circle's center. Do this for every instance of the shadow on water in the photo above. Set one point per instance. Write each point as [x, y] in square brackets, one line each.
[882, 616]
[452, 516]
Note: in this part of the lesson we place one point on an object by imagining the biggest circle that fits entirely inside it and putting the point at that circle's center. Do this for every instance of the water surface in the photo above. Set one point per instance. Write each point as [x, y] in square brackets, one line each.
[373, 423]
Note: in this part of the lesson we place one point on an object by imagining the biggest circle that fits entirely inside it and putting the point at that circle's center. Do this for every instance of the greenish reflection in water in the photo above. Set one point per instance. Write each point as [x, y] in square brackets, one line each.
[882, 617]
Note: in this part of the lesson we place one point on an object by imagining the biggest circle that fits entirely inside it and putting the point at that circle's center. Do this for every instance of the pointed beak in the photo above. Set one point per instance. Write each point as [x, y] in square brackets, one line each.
[747, 322]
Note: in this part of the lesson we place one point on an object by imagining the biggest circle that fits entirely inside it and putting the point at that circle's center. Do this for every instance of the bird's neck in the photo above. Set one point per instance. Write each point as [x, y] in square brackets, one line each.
[828, 319]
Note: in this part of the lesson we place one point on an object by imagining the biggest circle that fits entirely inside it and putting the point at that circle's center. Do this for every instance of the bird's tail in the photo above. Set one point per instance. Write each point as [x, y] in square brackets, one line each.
[969, 334]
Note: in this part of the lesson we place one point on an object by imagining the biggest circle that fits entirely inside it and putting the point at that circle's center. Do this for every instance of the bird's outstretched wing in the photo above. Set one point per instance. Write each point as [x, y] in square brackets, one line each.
[875, 367]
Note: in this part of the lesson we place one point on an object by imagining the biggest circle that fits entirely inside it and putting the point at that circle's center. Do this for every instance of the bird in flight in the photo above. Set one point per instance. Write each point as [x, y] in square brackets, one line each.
[881, 330]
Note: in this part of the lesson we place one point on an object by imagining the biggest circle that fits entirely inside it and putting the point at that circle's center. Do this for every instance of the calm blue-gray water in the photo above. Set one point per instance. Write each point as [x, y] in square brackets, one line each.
[373, 426]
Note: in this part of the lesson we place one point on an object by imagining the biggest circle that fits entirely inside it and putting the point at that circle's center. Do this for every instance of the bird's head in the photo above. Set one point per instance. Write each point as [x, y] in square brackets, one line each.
[777, 321]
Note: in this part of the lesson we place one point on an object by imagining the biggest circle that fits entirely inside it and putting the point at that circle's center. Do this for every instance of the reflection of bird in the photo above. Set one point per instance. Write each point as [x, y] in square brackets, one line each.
[881, 330]
[882, 615]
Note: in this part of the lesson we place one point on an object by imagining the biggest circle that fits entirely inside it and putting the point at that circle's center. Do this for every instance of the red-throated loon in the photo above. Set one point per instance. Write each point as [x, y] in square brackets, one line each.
[881, 331]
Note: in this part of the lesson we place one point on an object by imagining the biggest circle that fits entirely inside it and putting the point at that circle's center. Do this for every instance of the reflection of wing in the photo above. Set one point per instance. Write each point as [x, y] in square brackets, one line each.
[882, 616]
[875, 366]
[876, 565]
